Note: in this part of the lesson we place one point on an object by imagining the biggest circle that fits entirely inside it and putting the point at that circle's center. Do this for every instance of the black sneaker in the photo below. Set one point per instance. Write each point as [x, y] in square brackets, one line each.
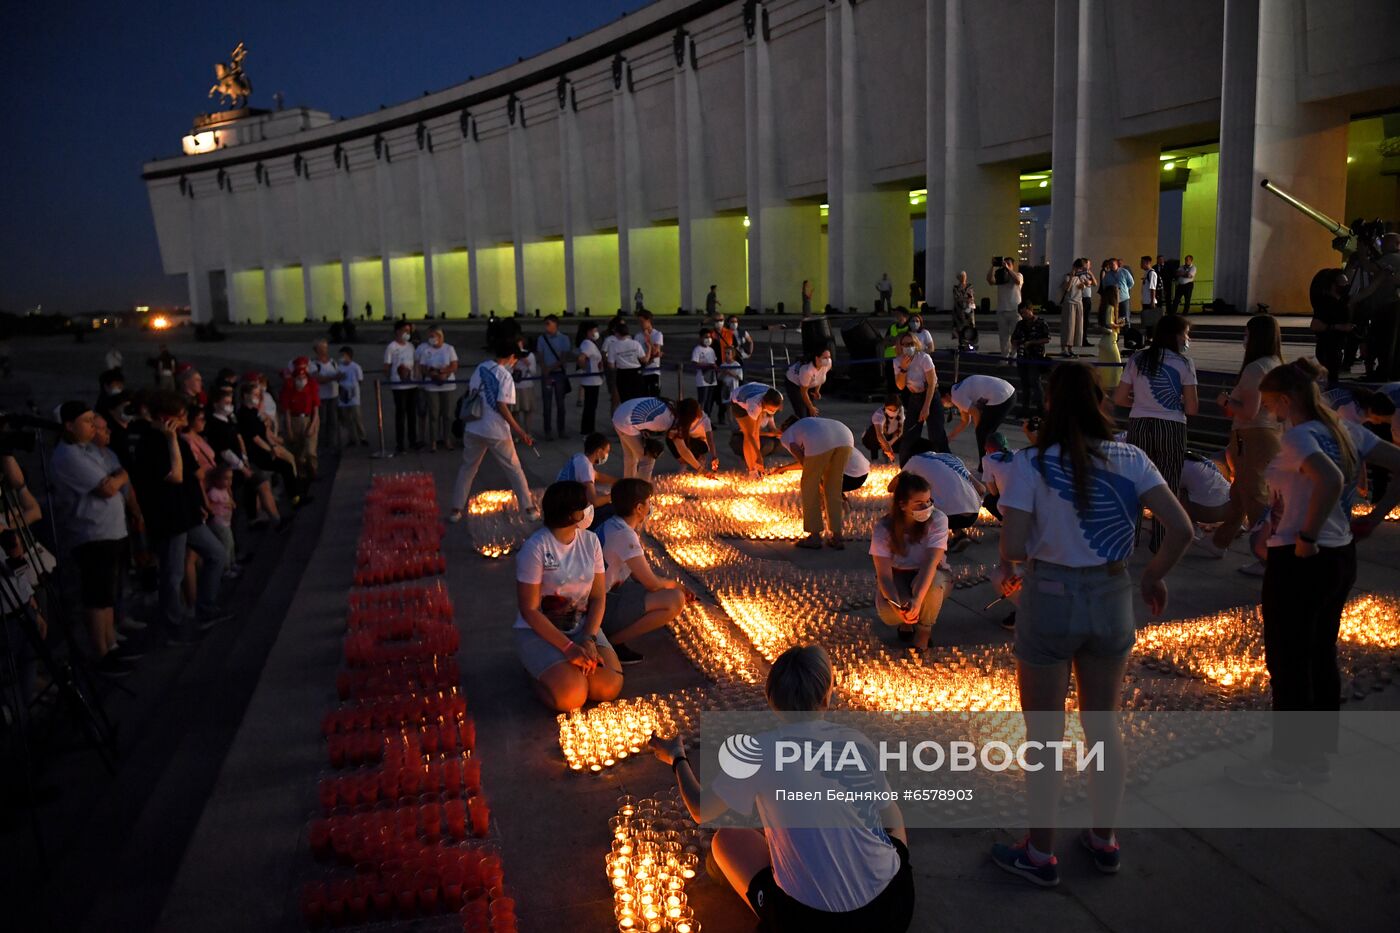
[626, 655]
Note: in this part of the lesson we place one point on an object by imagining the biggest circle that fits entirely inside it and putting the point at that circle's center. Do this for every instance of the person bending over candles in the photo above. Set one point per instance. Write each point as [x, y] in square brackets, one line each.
[820, 448]
[751, 402]
[691, 439]
[583, 468]
[956, 492]
[848, 872]
[638, 600]
[908, 546]
[561, 588]
[984, 402]
[1205, 492]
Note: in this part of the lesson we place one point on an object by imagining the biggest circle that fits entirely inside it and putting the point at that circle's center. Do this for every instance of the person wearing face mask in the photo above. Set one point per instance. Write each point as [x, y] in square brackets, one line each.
[886, 428]
[634, 421]
[491, 433]
[562, 593]
[1310, 569]
[922, 333]
[706, 369]
[638, 601]
[731, 369]
[583, 468]
[399, 370]
[752, 401]
[589, 364]
[111, 384]
[351, 426]
[805, 379]
[691, 439]
[1159, 385]
[301, 412]
[916, 378]
[221, 433]
[438, 364]
[625, 356]
[908, 547]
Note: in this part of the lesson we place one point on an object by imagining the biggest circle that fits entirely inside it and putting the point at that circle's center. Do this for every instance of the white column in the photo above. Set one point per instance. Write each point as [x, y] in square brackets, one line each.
[522, 211]
[196, 280]
[835, 155]
[263, 193]
[303, 245]
[1264, 249]
[471, 194]
[680, 79]
[570, 188]
[628, 174]
[757, 136]
[342, 210]
[427, 218]
[230, 291]
[384, 204]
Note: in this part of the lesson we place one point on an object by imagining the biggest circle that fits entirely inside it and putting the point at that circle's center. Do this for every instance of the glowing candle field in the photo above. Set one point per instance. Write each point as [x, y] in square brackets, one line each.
[656, 851]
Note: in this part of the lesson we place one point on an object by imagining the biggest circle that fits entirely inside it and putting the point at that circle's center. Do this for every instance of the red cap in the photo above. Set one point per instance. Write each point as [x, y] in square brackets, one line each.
[300, 364]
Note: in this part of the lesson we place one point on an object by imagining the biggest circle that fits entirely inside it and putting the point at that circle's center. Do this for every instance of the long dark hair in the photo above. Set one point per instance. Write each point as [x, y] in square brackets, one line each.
[1261, 340]
[1074, 419]
[902, 531]
[582, 334]
[686, 412]
[1167, 336]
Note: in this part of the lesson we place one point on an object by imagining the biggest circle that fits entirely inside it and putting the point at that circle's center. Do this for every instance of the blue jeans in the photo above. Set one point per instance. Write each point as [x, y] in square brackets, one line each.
[170, 550]
[552, 388]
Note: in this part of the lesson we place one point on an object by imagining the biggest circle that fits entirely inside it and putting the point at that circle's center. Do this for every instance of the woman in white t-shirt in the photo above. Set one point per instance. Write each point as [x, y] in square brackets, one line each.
[805, 379]
[625, 357]
[638, 600]
[820, 448]
[886, 428]
[561, 589]
[908, 547]
[848, 870]
[706, 362]
[1070, 511]
[635, 420]
[1310, 568]
[916, 378]
[1254, 434]
[589, 375]
[691, 439]
[750, 403]
[922, 334]
[1205, 492]
[1159, 385]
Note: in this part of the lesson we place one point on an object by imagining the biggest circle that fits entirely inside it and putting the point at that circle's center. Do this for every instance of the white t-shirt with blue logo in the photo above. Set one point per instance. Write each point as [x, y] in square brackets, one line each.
[1290, 489]
[749, 397]
[1060, 532]
[1162, 394]
[996, 468]
[579, 469]
[562, 570]
[642, 414]
[949, 480]
[496, 385]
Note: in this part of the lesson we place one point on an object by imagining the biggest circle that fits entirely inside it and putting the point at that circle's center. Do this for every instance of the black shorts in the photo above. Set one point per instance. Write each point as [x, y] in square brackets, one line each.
[891, 911]
[100, 565]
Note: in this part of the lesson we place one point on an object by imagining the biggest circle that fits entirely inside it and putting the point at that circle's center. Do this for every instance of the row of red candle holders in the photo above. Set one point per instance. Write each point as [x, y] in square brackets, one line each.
[367, 747]
[399, 679]
[384, 712]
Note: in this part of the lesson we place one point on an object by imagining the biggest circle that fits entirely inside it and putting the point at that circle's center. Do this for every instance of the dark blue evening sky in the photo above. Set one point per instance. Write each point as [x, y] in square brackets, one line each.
[92, 90]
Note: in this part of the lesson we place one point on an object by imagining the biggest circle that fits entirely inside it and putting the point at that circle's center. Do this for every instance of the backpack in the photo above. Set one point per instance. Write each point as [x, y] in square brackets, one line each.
[472, 407]
[1133, 338]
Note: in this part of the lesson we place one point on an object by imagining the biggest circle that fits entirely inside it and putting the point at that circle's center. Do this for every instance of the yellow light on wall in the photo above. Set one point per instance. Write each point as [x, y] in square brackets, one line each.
[1044, 184]
[1168, 166]
[746, 220]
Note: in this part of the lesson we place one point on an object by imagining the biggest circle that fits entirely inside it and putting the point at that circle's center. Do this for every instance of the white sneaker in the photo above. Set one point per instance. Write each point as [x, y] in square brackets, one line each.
[1210, 549]
[1255, 569]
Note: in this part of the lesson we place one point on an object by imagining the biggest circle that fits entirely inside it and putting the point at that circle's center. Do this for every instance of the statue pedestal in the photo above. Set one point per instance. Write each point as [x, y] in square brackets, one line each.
[225, 128]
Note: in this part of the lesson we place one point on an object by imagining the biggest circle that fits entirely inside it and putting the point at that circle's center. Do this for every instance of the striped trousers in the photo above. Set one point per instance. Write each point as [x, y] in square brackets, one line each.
[1164, 442]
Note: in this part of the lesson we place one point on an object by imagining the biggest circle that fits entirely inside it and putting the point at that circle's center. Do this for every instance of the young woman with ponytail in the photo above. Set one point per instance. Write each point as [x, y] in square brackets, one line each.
[908, 547]
[1310, 569]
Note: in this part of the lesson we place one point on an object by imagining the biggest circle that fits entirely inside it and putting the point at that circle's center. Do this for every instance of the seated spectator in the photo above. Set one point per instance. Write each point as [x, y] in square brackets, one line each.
[638, 600]
[561, 589]
[263, 451]
[849, 874]
[582, 468]
[908, 547]
[221, 432]
[956, 492]
[886, 428]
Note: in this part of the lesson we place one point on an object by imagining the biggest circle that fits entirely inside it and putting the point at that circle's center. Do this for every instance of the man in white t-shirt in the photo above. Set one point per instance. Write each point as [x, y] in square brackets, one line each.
[651, 341]
[1151, 295]
[437, 364]
[399, 362]
[820, 447]
[625, 357]
[583, 468]
[1008, 284]
[984, 401]
[491, 433]
[638, 600]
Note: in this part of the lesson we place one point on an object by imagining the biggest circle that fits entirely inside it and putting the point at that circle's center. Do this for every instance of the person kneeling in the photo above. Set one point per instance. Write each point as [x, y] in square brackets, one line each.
[638, 600]
[847, 871]
[561, 589]
[908, 547]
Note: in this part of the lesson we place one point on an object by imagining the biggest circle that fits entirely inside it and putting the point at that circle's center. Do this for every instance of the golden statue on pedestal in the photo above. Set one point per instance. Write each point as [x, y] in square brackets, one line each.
[232, 83]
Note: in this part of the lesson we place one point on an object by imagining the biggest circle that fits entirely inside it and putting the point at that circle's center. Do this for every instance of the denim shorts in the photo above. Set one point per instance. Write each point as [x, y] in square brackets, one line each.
[538, 655]
[626, 603]
[1066, 611]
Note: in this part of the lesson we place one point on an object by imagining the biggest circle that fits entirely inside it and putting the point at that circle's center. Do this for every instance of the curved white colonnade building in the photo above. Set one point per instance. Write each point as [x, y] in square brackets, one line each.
[753, 145]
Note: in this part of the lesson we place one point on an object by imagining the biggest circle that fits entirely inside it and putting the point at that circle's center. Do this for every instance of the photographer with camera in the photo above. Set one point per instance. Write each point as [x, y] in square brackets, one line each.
[1008, 284]
[90, 526]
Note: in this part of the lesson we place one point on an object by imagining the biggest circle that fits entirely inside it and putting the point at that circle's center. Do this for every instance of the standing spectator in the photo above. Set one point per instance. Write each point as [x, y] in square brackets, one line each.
[301, 413]
[90, 517]
[706, 370]
[525, 374]
[916, 296]
[731, 370]
[712, 302]
[916, 378]
[398, 366]
[625, 356]
[1029, 340]
[983, 401]
[1384, 302]
[173, 504]
[886, 428]
[651, 342]
[552, 351]
[885, 290]
[439, 370]
[964, 314]
[326, 374]
[1008, 284]
[1254, 433]
[1159, 385]
[1185, 284]
[1151, 294]
[805, 379]
[369, 311]
[219, 493]
[1331, 320]
[163, 368]
[922, 333]
[806, 297]
[590, 374]
[1163, 289]
[351, 424]
[1078, 283]
[1108, 292]
[1123, 278]
[820, 448]
[638, 303]
[491, 433]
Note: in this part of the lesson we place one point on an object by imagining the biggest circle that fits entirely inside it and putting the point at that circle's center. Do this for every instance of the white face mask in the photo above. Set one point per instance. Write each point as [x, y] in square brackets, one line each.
[734, 326]
[923, 515]
[402, 338]
[300, 382]
[1185, 344]
[705, 341]
[587, 519]
[824, 362]
[593, 335]
[916, 327]
[910, 351]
